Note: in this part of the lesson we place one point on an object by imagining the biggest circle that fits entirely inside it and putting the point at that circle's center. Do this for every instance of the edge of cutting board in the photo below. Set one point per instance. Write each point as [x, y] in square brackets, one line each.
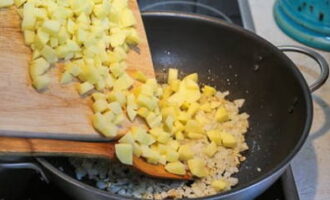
[13, 52]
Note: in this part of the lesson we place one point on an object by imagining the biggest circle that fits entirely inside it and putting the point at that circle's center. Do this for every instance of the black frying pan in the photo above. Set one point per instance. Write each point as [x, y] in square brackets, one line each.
[277, 96]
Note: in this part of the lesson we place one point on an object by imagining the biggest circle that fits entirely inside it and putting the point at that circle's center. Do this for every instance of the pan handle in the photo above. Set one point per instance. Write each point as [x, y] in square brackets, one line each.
[200, 5]
[324, 67]
[26, 165]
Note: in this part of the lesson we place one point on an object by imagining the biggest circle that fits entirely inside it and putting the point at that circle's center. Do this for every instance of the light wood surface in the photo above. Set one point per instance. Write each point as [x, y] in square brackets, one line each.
[59, 112]
[45, 147]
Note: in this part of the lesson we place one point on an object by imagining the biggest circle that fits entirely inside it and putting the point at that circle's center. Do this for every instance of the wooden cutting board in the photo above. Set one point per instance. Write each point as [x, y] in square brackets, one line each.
[59, 112]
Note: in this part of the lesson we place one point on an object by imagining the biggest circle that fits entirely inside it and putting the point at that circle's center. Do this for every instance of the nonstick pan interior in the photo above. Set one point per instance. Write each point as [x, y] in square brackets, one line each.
[277, 97]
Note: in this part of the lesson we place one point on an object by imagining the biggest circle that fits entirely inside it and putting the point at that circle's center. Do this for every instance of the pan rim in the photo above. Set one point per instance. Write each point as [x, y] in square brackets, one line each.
[272, 172]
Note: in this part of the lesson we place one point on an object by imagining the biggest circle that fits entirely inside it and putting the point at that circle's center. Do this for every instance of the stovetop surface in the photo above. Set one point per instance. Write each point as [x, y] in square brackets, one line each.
[12, 185]
[24, 184]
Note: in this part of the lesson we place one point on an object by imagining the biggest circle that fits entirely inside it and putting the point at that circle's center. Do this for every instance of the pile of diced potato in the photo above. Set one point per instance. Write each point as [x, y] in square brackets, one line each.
[92, 38]
[174, 115]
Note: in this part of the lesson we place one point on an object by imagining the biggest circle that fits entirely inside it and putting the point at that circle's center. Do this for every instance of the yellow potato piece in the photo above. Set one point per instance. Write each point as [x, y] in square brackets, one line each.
[100, 105]
[176, 168]
[219, 185]
[104, 126]
[228, 140]
[84, 87]
[172, 156]
[41, 82]
[214, 135]
[124, 153]
[211, 149]
[185, 152]
[208, 90]
[197, 167]
[221, 115]
[127, 138]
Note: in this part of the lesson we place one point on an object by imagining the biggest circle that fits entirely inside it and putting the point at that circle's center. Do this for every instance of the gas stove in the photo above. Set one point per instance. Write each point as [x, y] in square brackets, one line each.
[24, 184]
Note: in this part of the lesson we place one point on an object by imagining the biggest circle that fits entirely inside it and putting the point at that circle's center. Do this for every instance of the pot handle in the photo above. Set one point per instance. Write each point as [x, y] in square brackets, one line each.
[200, 5]
[26, 165]
[324, 67]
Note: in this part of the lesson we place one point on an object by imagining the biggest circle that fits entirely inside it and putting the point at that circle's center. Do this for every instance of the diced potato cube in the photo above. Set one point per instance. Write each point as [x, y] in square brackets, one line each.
[66, 77]
[145, 101]
[90, 73]
[151, 155]
[28, 22]
[52, 26]
[119, 96]
[193, 126]
[219, 185]
[183, 117]
[41, 82]
[98, 96]
[176, 168]
[178, 126]
[173, 144]
[84, 87]
[118, 38]
[179, 136]
[73, 68]
[40, 13]
[130, 99]
[228, 140]
[169, 122]
[38, 67]
[138, 75]
[142, 136]
[214, 135]
[123, 82]
[63, 35]
[42, 36]
[124, 153]
[221, 115]
[194, 135]
[118, 5]
[35, 54]
[174, 85]
[143, 112]
[71, 26]
[215, 104]
[119, 118]
[117, 69]
[105, 127]
[193, 77]
[49, 54]
[100, 105]
[206, 107]
[172, 156]
[19, 3]
[29, 36]
[197, 167]
[168, 111]
[132, 37]
[137, 150]
[153, 120]
[127, 138]
[162, 149]
[193, 108]
[185, 152]
[53, 42]
[163, 137]
[210, 149]
[127, 18]
[131, 112]
[115, 107]
[109, 116]
[172, 75]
